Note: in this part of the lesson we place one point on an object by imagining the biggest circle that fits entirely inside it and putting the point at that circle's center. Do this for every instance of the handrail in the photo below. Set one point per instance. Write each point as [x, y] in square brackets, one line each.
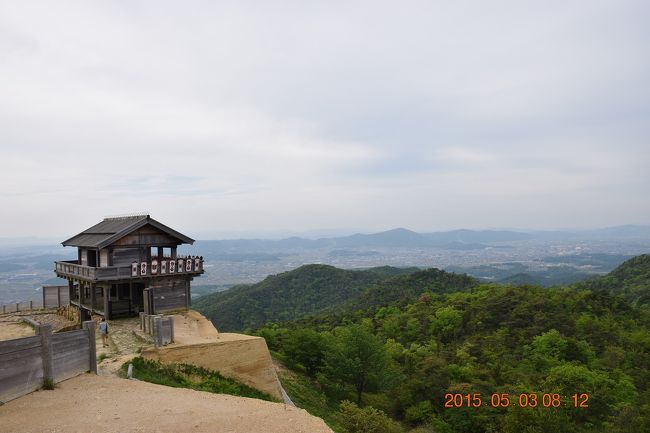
[72, 268]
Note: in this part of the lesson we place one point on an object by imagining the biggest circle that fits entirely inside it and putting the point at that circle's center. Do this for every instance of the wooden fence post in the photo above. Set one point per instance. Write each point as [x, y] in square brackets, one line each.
[171, 325]
[45, 332]
[31, 305]
[17, 307]
[89, 326]
[142, 321]
[158, 331]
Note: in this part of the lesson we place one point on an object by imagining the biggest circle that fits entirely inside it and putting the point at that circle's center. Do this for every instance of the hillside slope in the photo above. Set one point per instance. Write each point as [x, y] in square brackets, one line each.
[290, 295]
[631, 279]
[488, 340]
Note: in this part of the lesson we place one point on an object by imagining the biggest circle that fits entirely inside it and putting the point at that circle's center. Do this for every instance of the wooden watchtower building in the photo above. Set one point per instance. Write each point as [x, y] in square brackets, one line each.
[129, 264]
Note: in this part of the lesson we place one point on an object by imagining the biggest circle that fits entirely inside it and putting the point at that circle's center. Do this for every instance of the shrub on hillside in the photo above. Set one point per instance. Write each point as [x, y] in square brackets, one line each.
[366, 420]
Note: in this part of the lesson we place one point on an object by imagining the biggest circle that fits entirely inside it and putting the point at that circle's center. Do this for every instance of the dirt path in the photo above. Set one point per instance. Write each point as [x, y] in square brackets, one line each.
[91, 403]
[125, 342]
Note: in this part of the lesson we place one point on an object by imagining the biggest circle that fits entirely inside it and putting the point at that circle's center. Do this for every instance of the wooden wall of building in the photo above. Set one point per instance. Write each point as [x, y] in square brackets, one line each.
[103, 258]
[126, 256]
[148, 235]
[171, 294]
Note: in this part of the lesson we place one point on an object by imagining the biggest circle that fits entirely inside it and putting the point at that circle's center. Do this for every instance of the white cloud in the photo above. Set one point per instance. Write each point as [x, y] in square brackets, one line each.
[297, 115]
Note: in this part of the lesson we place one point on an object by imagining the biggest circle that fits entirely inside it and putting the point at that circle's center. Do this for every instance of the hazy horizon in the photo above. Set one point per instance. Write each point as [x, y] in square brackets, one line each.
[307, 234]
[295, 117]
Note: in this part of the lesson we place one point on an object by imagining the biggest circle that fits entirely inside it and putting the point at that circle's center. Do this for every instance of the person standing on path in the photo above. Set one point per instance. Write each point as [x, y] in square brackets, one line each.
[103, 330]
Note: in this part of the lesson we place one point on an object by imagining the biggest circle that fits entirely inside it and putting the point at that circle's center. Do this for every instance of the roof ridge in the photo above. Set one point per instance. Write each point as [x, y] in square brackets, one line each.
[127, 216]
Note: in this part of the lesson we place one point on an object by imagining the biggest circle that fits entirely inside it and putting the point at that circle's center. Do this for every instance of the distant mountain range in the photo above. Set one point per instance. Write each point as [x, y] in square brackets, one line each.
[404, 238]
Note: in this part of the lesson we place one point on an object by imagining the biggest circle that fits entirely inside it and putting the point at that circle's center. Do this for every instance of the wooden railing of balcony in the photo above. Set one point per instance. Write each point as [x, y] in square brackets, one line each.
[160, 268]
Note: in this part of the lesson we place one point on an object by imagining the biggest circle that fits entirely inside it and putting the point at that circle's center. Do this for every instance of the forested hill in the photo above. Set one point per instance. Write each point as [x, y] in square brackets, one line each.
[631, 279]
[407, 288]
[533, 348]
[290, 295]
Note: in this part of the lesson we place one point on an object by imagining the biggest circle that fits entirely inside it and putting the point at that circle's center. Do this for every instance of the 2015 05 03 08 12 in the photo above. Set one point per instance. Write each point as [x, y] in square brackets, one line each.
[531, 400]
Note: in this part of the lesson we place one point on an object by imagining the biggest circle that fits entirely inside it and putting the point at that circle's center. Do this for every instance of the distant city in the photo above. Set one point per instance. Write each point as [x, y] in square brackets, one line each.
[543, 258]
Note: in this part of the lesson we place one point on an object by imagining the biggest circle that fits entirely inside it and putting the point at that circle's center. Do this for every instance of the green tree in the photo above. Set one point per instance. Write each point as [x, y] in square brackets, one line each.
[358, 358]
[306, 347]
[366, 420]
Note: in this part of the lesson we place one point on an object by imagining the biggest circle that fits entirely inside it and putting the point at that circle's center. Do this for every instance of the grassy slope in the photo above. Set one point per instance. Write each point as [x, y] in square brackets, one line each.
[190, 376]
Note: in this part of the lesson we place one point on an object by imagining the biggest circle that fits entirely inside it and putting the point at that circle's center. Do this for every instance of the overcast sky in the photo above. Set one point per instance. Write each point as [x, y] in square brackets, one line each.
[250, 117]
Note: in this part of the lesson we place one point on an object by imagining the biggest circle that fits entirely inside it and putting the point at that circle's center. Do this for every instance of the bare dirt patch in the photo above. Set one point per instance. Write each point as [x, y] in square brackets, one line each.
[109, 404]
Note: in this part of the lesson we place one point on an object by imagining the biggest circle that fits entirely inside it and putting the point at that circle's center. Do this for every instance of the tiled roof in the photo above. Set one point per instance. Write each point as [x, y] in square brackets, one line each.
[111, 229]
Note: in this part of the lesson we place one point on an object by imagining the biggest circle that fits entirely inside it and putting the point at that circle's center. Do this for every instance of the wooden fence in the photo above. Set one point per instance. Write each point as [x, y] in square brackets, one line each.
[159, 327]
[27, 363]
[16, 307]
[55, 296]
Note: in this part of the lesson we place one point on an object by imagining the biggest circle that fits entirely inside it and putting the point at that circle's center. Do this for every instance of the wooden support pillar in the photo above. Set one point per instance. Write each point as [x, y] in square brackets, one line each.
[92, 298]
[70, 291]
[174, 253]
[160, 253]
[89, 326]
[131, 297]
[107, 298]
[58, 297]
[45, 332]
